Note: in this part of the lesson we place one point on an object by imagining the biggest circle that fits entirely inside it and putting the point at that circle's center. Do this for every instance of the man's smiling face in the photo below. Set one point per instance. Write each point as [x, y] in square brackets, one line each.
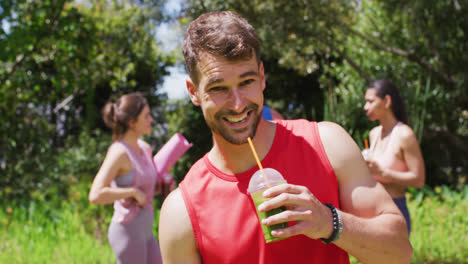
[230, 95]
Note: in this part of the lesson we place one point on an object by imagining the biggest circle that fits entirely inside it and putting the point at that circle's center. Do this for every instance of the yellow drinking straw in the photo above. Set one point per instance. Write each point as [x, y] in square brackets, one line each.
[258, 161]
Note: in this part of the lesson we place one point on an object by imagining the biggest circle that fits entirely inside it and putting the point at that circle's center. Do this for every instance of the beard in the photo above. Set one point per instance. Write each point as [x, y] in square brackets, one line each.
[229, 134]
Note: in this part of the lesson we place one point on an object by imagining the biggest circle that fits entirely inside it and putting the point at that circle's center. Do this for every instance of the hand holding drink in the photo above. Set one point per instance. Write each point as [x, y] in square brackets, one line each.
[257, 186]
[262, 180]
[367, 154]
[372, 164]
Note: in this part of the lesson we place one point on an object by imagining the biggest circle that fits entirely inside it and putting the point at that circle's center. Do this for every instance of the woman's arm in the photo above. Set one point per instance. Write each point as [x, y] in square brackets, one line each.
[115, 163]
[411, 152]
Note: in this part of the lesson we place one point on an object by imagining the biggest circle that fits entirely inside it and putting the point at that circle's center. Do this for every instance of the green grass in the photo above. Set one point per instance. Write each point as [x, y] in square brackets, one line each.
[72, 231]
[28, 236]
[439, 227]
[76, 232]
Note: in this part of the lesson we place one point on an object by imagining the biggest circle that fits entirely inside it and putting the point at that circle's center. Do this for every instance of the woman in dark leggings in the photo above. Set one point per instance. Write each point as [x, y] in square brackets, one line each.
[128, 179]
[396, 161]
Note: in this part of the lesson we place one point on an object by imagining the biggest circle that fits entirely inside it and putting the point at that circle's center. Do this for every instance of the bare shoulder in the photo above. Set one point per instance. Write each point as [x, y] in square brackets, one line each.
[327, 129]
[174, 205]
[374, 131]
[337, 143]
[146, 146]
[117, 152]
[176, 236]
[374, 134]
[115, 163]
[405, 133]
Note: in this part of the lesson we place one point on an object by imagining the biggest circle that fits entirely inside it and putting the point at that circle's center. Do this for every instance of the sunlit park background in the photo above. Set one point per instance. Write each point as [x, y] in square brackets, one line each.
[61, 60]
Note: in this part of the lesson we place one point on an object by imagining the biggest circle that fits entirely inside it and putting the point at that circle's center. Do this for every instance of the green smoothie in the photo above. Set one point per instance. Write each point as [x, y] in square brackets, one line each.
[259, 199]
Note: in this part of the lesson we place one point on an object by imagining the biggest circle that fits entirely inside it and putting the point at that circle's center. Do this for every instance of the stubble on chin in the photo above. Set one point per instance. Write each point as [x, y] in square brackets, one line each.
[229, 135]
[241, 141]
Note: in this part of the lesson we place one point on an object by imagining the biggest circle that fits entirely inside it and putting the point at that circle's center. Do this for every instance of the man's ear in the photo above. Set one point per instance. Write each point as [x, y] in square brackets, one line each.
[261, 71]
[388, 101]
[192, 90]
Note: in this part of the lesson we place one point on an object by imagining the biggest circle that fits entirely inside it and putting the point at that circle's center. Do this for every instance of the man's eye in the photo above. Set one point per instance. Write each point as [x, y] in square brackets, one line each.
[247, 82]
[217, 89]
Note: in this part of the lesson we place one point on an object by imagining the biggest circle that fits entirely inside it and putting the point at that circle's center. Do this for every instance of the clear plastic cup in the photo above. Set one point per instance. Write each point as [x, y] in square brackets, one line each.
[367, 154]
[257, 186]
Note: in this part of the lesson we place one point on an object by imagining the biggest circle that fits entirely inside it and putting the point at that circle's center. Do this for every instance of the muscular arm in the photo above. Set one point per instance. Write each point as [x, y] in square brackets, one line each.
[415, 176]
[374, 231]
[176, 237]
[114, 163]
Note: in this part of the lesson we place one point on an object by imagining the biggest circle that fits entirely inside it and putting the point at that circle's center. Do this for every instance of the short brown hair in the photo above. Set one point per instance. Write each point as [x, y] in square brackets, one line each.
[221, 33]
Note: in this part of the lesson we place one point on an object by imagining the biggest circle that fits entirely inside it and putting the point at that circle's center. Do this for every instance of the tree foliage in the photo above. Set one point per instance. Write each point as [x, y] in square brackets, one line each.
[61, 61]
[320, 55]
[419, 45]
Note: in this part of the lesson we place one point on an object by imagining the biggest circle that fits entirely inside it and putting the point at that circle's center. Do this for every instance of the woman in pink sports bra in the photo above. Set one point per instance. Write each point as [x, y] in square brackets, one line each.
[396, 160]
[127, 178]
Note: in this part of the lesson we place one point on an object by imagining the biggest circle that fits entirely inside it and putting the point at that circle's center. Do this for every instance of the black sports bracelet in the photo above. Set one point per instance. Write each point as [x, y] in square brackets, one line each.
[337, 225]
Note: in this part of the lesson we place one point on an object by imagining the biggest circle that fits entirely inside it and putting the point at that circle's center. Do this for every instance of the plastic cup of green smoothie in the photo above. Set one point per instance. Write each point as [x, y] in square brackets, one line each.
[261, 181]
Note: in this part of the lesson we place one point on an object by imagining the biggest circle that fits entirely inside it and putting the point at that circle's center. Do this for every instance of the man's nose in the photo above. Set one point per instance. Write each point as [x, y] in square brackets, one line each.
[237, 100]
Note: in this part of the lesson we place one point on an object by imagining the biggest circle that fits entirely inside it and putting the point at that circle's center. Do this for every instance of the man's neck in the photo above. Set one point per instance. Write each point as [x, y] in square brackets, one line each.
[234, 159]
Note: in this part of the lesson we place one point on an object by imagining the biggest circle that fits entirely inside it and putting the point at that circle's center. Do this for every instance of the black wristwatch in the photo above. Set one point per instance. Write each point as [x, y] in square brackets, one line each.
[337, 225]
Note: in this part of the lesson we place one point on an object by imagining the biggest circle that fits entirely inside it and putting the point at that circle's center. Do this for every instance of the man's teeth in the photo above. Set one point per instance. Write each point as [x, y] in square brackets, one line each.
[236, 120]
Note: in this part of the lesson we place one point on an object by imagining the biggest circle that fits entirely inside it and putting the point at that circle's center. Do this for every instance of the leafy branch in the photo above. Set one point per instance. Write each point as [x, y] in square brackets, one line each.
[403, 53]
[20, 58]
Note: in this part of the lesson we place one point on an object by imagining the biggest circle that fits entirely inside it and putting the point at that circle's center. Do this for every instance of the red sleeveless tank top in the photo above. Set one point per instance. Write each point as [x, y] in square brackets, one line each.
[223, 216]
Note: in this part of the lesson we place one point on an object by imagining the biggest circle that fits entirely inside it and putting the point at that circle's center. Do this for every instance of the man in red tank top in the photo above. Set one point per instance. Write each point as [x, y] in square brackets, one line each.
[333, 205]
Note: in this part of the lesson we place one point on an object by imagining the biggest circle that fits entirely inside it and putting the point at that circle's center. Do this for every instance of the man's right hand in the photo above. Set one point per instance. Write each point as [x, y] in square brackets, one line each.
[312, 218]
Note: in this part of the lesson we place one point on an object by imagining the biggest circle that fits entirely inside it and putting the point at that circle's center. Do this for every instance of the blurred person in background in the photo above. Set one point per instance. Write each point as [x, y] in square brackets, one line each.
[127, 178]
[396, 160]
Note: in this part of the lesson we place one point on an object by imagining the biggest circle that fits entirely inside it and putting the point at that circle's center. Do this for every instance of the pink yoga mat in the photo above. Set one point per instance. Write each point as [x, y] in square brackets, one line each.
[168, 155]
